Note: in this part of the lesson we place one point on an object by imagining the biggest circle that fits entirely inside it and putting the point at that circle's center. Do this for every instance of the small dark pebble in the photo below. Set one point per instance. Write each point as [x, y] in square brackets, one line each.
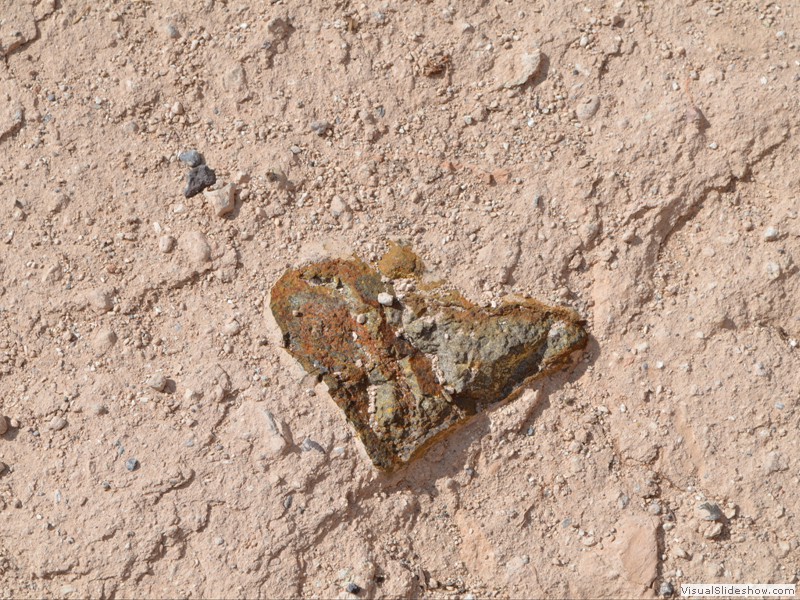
[287, 502]
[199, 179]
[666, 589]
[192, 158]
[131, 464]
[710, 512]
[106, 486]
[353, 588]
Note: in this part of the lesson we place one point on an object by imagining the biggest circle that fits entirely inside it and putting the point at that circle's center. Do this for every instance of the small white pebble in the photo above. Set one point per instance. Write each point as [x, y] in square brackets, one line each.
[770, 234]
[232, 327]
[385, 299]
[166, 243]
[773, 270]
[713, 145]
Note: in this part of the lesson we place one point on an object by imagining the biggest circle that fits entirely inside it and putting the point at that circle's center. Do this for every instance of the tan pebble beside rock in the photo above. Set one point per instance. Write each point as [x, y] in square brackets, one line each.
[222, 200]
[104, 340]
[587, 108]
[232, 328]
[197, 247]
[515, 70]
[166, 243]
[157, 382]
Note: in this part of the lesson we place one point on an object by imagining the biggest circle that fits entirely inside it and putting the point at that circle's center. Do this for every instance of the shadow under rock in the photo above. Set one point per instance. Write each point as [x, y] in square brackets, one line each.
[451, 456]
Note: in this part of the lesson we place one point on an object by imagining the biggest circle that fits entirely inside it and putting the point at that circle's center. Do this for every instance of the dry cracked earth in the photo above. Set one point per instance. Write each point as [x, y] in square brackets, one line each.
[634, 161]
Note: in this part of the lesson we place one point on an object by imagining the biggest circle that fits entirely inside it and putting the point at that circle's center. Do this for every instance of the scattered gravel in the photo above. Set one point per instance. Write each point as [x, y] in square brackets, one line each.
[105, 280]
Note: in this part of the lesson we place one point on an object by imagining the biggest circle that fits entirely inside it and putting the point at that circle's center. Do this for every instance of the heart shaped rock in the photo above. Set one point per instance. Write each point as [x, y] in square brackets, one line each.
[406, 367]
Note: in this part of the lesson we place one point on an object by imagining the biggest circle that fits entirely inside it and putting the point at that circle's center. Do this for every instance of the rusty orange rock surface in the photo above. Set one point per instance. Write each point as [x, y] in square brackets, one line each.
[406, 370]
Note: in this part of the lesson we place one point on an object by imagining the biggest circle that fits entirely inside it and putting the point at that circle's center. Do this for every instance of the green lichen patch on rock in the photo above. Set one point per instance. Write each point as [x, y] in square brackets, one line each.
[409, 367]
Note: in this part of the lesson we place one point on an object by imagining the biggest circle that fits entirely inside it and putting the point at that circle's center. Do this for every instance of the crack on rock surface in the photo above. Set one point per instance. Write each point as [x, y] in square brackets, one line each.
[407, 372]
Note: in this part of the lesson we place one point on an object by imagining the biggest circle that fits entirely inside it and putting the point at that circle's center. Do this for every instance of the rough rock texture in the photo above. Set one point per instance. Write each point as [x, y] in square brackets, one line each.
[198, 179]
[406, 373]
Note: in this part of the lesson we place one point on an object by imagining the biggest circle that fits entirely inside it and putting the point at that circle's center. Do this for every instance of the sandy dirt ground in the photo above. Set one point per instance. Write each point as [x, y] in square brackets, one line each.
[637, 161]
